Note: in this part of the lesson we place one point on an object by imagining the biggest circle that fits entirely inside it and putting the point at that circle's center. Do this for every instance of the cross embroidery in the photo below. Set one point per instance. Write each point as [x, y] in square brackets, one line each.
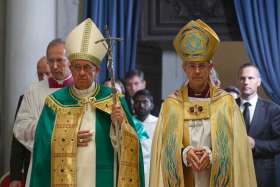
[86, 101]
[196, 109]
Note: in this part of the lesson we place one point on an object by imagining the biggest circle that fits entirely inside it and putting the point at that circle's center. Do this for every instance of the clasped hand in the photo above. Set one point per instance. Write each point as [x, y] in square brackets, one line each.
[198, 159]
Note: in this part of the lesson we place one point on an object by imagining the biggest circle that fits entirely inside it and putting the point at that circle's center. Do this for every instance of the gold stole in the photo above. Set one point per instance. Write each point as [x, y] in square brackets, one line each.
[128, 153]
[193, 110]
[226, 127]
[64, 145]
[128, 157]
[184, 110]
[196, 110]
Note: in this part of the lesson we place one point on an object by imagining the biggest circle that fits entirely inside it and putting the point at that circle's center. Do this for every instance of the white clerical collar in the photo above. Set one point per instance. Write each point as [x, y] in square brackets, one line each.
[61, 81]
[253, 101]
[150, 118]
[84, 93]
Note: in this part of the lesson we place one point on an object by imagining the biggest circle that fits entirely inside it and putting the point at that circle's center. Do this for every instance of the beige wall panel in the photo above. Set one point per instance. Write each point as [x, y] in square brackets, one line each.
[229, 57]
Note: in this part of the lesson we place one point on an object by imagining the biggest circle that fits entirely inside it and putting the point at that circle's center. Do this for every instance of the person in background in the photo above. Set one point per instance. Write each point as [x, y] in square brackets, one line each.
[20, 156]
[143, 105]
[43, 69]
[262, 119]
[234, 91]
[134, 81]
[34, 98]
[200, 139]
[119, 86]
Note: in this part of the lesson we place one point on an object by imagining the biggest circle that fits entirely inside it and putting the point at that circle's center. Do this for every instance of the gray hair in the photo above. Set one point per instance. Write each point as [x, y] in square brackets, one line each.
[54, 42]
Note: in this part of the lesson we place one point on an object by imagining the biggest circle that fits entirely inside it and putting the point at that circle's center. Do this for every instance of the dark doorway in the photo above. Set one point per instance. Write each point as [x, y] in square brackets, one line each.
[148, 59]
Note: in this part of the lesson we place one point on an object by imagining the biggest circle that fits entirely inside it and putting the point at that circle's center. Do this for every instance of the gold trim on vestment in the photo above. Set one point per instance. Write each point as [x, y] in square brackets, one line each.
[128, 155]
[83, 56]
[94, 92]
[196, 110]
[86, 36]
[182, 129]
[228, 139]
[105, 104]
[64, 143]
[128, 173]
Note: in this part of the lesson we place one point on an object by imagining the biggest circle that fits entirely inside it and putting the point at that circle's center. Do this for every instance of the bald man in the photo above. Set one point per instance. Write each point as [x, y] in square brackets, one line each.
[20, 156]
[43, 69]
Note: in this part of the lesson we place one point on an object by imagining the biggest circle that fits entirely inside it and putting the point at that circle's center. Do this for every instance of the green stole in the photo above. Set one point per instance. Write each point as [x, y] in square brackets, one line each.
[41, 168]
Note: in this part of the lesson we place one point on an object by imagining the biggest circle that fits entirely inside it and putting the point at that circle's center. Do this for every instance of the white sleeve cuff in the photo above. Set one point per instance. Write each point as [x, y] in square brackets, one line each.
[208, 150]
[184, 154]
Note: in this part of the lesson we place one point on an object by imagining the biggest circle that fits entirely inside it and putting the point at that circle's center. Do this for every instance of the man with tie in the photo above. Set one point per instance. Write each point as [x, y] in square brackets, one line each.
[262, 119]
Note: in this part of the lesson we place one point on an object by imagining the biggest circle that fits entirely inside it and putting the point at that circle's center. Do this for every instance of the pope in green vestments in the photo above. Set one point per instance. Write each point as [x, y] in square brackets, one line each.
[82, 137]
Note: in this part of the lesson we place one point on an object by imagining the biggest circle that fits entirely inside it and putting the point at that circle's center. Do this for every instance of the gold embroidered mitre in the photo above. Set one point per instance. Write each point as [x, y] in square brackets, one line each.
[196, 42]
[81, 43]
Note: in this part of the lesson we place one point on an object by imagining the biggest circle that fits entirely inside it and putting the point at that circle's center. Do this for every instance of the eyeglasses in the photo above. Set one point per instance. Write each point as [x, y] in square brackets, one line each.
[86, 68]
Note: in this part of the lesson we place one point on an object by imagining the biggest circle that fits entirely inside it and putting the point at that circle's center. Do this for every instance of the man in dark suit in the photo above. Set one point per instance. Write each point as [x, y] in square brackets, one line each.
[262, 119]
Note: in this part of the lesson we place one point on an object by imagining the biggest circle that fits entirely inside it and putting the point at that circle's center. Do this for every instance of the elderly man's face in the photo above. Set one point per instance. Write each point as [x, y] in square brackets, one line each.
[197, 73]
[58, 62]
[84, 73]
[135, 84]
[43, 69]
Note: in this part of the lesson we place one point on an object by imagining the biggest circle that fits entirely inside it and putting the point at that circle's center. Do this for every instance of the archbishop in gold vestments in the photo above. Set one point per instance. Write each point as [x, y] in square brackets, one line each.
[210, 121]
[232, 164]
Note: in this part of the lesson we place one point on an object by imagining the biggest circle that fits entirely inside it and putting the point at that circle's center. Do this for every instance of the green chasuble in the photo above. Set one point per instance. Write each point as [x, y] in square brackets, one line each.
[55, 144]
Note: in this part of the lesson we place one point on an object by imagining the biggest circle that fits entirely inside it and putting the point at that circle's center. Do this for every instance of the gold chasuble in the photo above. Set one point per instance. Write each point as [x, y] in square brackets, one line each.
[55, 148]
[232, 163]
